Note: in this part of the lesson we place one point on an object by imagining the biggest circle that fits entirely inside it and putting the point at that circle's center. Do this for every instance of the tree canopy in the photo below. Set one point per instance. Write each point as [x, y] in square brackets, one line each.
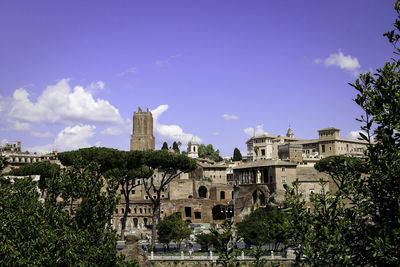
[42, 232]
[173, 228]
[45, 169]
[237, 156]
[208, 152]
[164, 146]
[358, 223]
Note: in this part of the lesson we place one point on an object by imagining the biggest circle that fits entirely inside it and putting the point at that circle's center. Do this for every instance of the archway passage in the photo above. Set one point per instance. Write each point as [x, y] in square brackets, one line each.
[203, 192]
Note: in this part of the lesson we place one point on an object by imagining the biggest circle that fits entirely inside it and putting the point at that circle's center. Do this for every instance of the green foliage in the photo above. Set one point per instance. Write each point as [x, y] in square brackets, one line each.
[170, 166]
[164, 146]
[3, 163]
[359, 224]
[175, 147]
[263, 226]
[173, 228]
[43, 233]
[224, 242]
[208, 152]
[45, 169]
[120, 167]
[237, 156]
[205, 240]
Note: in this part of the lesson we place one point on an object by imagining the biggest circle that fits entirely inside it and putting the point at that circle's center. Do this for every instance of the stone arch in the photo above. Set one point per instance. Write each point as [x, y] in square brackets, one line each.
[202, 192]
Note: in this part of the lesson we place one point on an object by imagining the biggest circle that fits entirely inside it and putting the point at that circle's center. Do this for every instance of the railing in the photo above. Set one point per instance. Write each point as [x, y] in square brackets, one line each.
[151, 256]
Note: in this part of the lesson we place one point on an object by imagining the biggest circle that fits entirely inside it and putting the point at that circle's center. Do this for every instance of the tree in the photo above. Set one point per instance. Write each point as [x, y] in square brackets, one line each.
[261, 227]
[224, 242]
[125, 167]
[170, 166]
[208, 152]
[237, 156]
[3, 163]
[45, 169]
[173, 228]
[359, 224]
[164, 146]
[205, 240]
[175, 147]
[36, 232]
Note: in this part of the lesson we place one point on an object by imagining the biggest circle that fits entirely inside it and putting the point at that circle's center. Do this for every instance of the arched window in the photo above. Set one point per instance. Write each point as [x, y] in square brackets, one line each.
[222, 195]
[135, 222]
[145, 221]
[203, 192]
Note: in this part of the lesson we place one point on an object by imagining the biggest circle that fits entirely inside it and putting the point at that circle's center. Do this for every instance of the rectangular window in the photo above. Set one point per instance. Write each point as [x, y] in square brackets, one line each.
[283, 179]
[146, 197]
[262, 152]
[188, 212]
[330, 148]
[283, 169]
[322, 191]
[133, 191]
[323, 148]
[197, 215]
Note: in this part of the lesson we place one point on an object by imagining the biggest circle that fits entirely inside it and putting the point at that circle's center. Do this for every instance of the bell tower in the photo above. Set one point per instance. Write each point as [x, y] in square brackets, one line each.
[142, 133]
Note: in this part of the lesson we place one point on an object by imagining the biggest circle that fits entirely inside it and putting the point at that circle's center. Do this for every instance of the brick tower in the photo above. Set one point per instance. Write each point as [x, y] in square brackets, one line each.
[142, 134]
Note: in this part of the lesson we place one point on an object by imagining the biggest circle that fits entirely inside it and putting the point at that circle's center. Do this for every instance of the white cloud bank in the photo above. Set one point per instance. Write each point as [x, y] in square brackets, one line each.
[170, 132]
[70, 138]
[338, 59]
[60, 103]
[258, 130]
[355, 134]
[230, 117]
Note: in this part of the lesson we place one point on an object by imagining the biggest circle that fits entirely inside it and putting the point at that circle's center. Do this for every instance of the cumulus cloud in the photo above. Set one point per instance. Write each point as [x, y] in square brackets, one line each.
[258, 130]
[338, 59]
[230, 117]
[70, 138]
[170, 132]
[355, 134]
[60, 103]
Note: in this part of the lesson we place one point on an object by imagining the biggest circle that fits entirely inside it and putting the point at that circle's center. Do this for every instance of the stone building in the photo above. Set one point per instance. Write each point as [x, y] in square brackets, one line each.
[303, 151]
[142, 133]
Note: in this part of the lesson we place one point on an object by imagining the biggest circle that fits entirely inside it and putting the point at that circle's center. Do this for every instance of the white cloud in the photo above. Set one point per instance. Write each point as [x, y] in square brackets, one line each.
[338, 59]
[71, 138]
[215, 133]
[258, 130]
[230, 117]
[3, 142]
[97, 85]
[42, 135]
[354, 134]
[60, 103]
[113, 131]
[21, 126]
[170, 132]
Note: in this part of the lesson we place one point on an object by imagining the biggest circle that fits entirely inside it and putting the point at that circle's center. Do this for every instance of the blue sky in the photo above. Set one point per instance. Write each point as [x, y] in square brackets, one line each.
[73, 72]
